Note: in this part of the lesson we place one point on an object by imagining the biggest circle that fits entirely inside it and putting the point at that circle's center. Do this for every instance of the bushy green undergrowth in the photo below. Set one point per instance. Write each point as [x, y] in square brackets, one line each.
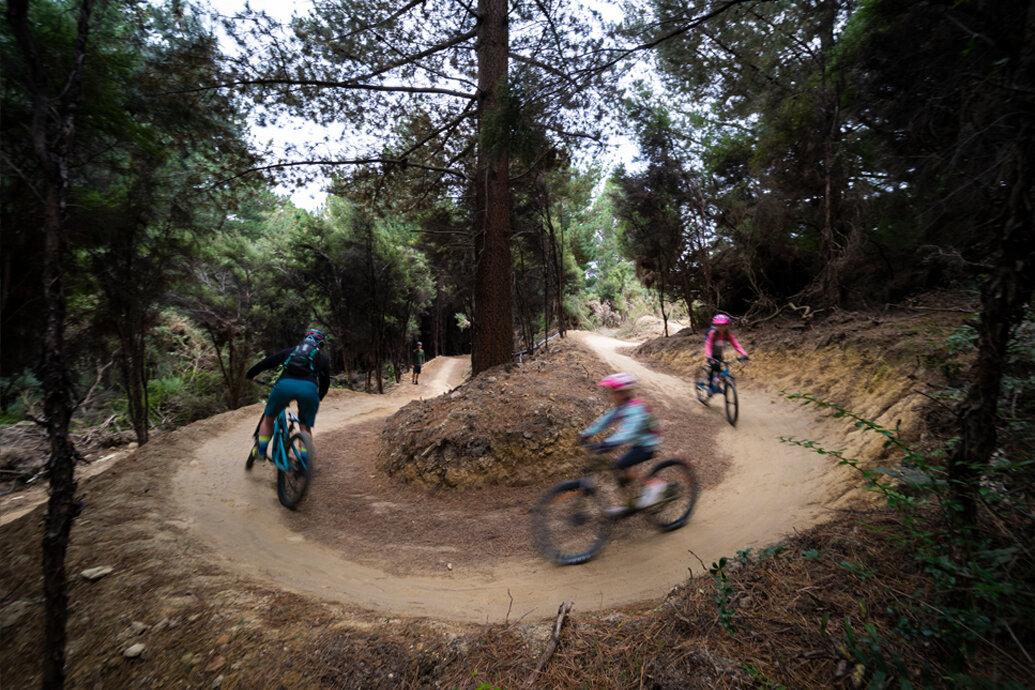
[977, 591]
[23, 398]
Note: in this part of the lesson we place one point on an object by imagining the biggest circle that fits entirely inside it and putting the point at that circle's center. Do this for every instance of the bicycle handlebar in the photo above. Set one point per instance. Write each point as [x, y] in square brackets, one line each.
[738, 360]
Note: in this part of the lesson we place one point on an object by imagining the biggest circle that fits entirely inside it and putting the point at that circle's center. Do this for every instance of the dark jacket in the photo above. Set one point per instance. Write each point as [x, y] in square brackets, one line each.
[321, 377]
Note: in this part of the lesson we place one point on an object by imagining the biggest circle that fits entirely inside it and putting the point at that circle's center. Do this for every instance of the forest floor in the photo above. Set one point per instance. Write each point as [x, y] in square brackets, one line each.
[412, 581]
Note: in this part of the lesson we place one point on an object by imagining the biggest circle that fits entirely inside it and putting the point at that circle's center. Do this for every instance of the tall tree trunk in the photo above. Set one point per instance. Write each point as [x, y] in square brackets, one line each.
[493, 309]
[1006, 292]
[59, 400]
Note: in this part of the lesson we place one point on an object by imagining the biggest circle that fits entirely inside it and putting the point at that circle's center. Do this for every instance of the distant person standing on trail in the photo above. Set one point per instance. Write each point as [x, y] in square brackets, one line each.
[305, 377]
[418, 362]
[718, 334]
[635, 426]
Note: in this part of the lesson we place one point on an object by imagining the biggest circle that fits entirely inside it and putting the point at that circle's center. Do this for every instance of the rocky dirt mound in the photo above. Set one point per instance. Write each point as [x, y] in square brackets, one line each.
[509, 426]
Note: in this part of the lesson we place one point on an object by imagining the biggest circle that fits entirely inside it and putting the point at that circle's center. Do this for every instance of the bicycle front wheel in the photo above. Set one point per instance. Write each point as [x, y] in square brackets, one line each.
[254, 452]
[569, 525]
[674, 509]
[702, 385]
[729, 391]
[293, 482]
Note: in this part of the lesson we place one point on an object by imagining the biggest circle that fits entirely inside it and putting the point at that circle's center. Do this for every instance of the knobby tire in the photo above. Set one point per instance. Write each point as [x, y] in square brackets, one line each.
[702, 387]
[680, 494]
[729, 392]
[292, 484]
[569, 525]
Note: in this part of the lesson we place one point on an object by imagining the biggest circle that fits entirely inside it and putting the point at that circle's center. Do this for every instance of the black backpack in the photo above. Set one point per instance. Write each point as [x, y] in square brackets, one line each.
[302, 360]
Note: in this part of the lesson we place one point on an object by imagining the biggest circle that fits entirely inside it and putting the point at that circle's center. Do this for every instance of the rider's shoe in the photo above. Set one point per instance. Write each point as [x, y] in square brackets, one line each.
[618, 511]
[652, 494]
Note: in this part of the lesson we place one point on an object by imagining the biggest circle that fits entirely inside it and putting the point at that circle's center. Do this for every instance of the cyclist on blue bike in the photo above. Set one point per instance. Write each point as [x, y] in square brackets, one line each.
[718, 334]
[637, 427]
[305, 377]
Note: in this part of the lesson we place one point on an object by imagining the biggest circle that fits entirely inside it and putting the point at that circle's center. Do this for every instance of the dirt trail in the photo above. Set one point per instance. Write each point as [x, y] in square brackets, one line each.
[771, 490]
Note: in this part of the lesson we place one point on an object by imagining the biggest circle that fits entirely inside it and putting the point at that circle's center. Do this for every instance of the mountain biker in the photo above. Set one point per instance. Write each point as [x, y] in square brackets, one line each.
[718, 334]
[418, 362]
[637, 427]
[307, 388]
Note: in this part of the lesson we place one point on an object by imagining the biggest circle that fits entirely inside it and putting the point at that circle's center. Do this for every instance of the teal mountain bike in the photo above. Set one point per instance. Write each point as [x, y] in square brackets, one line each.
[291, 451]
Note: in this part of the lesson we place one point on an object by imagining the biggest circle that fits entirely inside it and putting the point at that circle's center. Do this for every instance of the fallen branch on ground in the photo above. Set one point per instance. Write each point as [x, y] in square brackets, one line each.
[551, 646]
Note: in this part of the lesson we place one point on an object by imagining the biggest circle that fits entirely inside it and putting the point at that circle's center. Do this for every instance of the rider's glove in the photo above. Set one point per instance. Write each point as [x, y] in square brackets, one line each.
[743, 358]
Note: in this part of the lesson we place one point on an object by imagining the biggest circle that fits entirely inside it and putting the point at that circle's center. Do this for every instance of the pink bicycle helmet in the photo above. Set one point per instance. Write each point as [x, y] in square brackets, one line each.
[618, 382]
[720, 319]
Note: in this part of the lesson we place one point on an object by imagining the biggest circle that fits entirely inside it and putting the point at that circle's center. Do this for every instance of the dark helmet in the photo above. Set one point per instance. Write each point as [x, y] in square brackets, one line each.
[316, 336]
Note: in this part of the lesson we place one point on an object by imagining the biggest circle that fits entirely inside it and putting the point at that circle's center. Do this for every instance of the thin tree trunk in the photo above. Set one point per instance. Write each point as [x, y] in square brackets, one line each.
[493, 309]
[59, 397]
[558, 270]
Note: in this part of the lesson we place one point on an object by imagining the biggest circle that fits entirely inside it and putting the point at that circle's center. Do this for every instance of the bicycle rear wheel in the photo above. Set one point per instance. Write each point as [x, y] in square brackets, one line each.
[701, 387]
[569, 525]
[729, 391]
[674, 509]
[292, 483]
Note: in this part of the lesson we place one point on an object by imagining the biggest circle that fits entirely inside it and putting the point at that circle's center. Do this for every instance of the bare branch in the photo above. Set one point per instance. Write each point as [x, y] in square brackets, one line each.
[328, 84]
[402, 162]
[692, 24]
[398, 13]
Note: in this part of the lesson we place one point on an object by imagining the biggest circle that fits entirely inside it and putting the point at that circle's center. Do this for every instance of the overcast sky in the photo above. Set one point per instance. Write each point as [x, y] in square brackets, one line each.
[288, 132]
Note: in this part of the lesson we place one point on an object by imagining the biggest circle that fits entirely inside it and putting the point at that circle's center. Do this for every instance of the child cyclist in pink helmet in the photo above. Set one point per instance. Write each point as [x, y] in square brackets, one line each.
[636, 426]
[719, 334]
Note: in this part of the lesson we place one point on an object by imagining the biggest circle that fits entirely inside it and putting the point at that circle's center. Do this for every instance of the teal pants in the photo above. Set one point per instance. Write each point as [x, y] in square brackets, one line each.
[305, 392]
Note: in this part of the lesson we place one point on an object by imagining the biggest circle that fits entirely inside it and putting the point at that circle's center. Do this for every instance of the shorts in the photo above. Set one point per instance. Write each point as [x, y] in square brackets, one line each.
[634, 456]
[416, 368]
[305, 392]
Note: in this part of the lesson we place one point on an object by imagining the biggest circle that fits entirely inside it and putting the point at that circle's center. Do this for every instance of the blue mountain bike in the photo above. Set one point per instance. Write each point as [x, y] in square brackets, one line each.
[291, 450]
[723, 382]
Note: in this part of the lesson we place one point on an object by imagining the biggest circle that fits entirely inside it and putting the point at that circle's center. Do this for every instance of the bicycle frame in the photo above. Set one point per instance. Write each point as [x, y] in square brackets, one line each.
[725, 374]
[283, 426]
[601, 474]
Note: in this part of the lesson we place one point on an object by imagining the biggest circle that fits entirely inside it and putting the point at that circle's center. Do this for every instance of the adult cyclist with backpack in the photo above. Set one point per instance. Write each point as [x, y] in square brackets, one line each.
[305, 377]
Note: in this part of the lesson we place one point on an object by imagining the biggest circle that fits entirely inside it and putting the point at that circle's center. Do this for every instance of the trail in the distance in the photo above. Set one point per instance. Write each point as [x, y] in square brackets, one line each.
[771, 490]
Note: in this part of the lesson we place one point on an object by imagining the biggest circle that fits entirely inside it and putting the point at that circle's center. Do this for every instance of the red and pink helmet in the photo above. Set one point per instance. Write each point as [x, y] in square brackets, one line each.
[618, 382]
[720, 319]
